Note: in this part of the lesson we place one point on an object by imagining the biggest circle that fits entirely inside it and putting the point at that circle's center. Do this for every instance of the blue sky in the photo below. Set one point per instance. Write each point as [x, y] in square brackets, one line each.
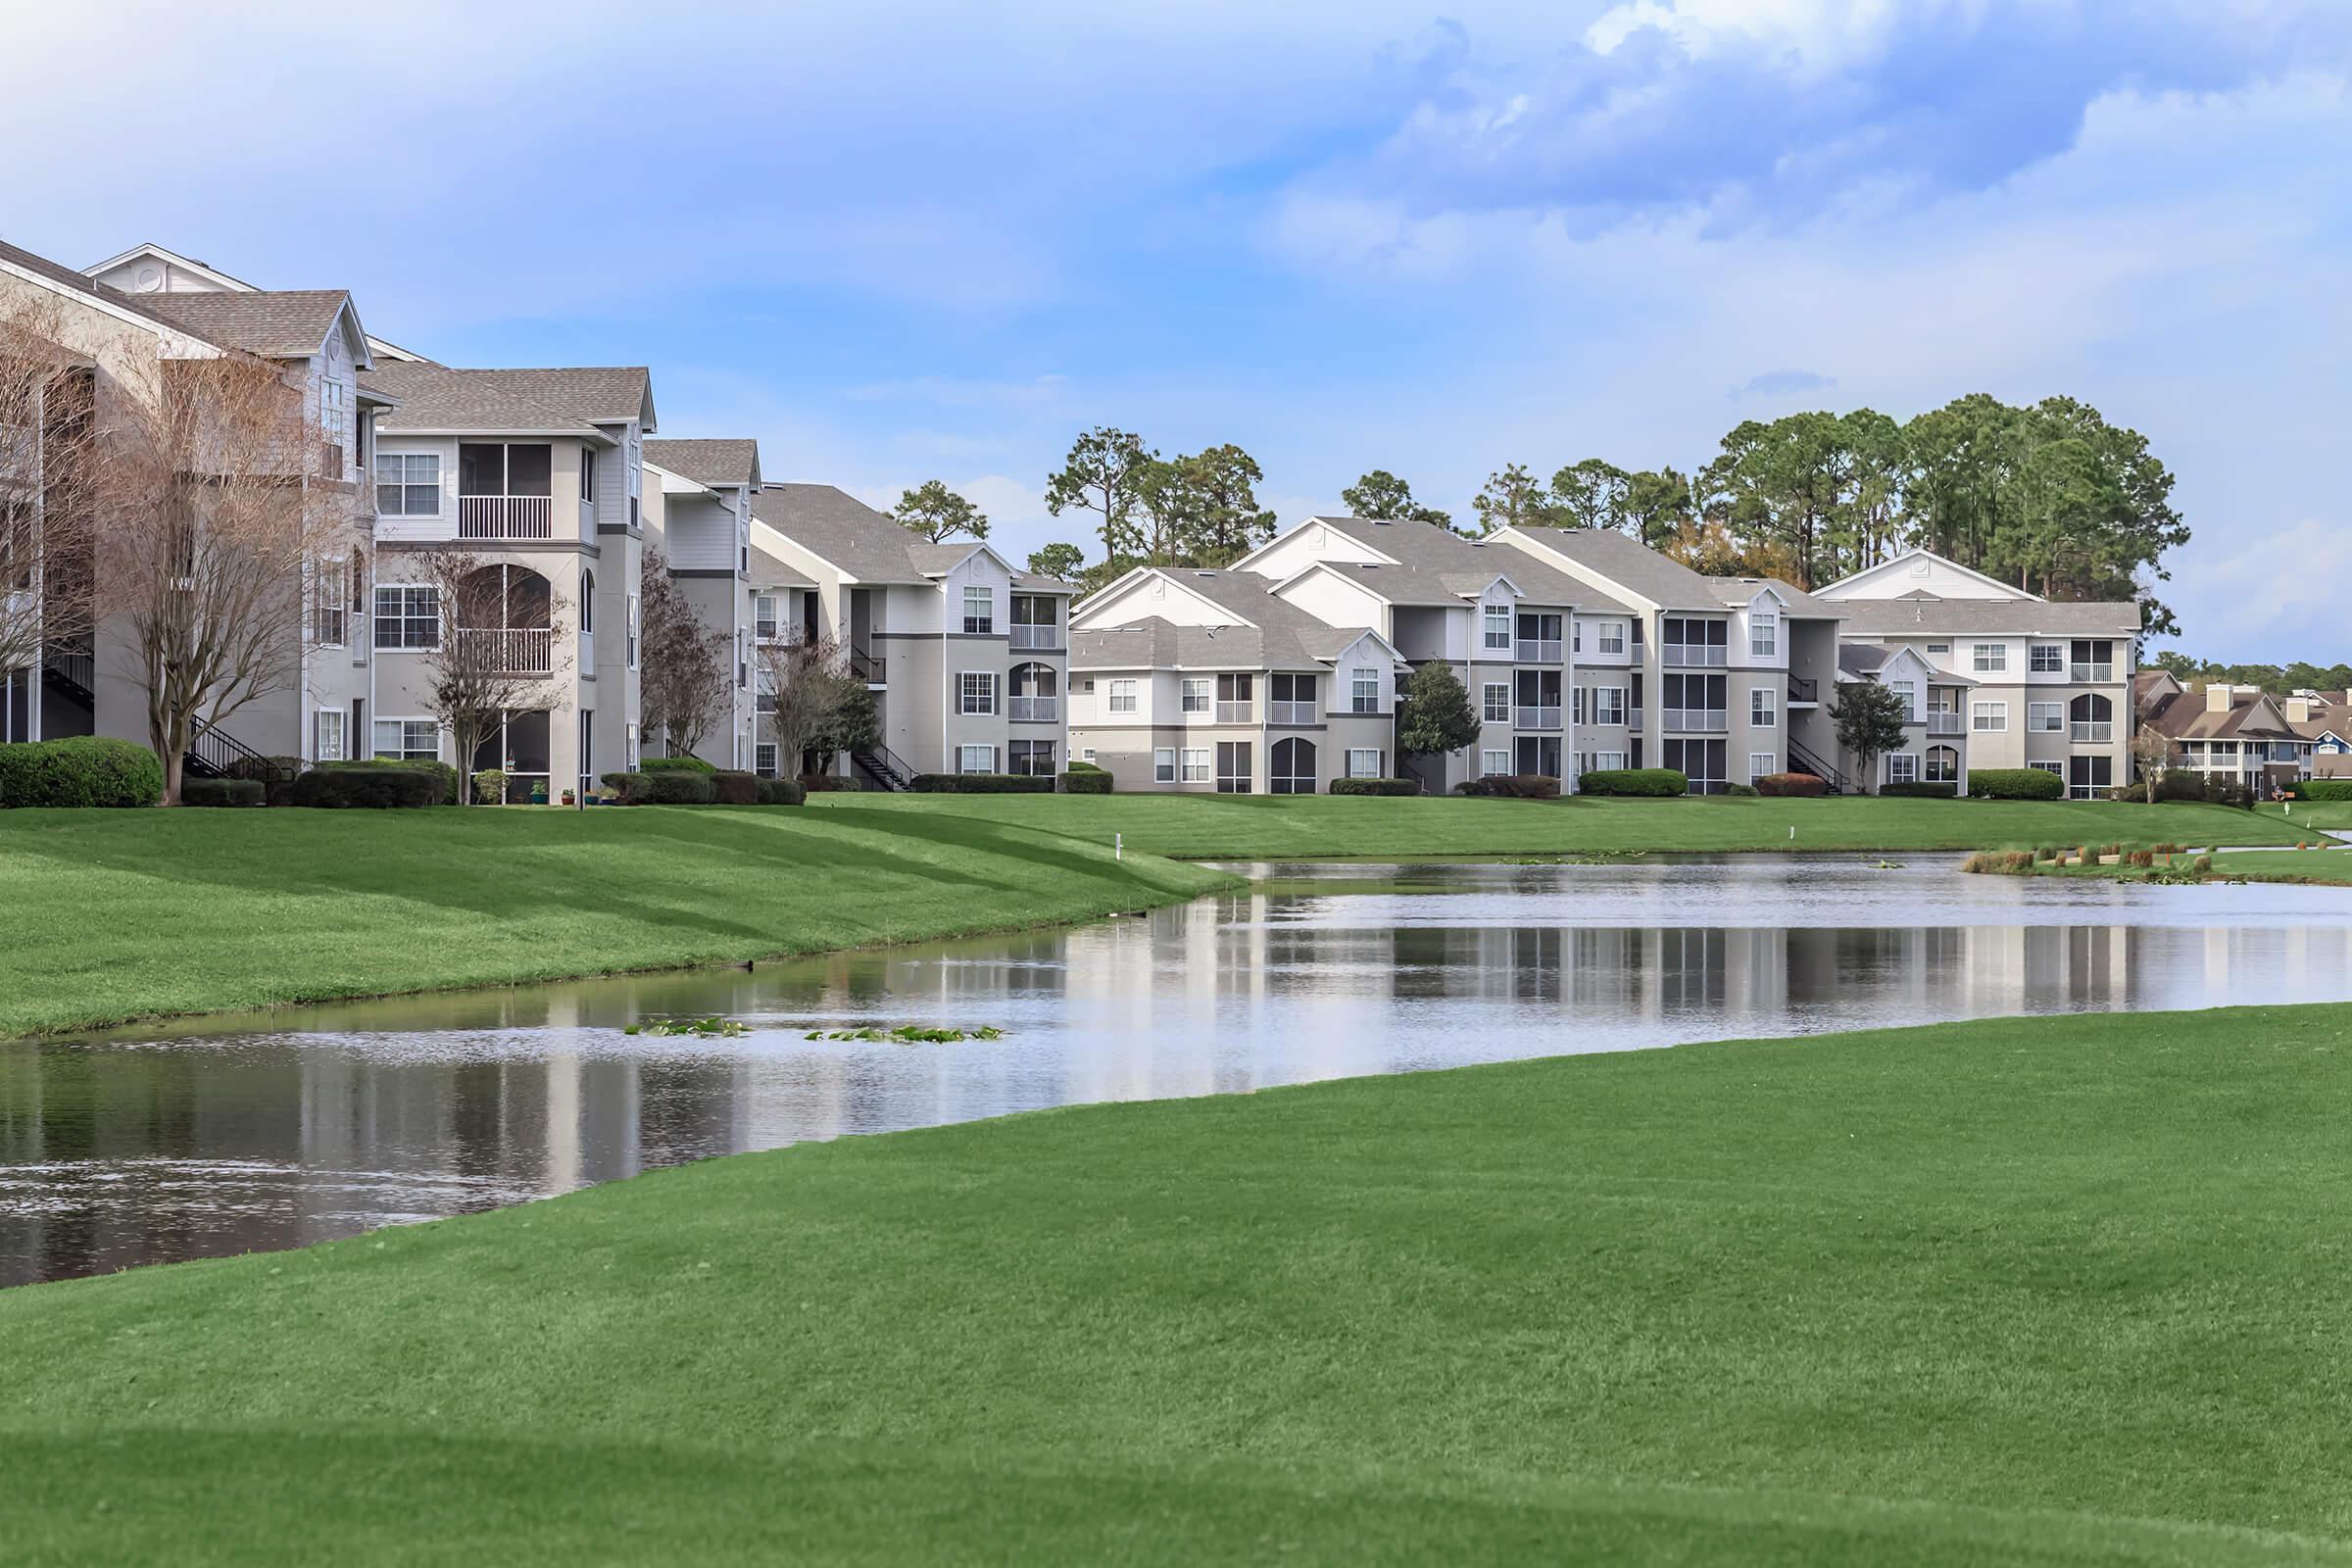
[899, 242]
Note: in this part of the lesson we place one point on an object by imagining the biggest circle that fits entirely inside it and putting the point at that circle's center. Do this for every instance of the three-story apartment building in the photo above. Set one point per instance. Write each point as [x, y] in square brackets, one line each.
[698, 515]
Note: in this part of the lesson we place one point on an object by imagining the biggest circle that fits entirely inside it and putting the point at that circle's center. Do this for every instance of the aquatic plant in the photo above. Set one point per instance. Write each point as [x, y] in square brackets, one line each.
[704, 1028]
[910, 1034]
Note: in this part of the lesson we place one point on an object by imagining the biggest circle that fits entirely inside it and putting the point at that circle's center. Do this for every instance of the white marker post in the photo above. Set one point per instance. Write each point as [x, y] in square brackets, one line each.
[1118, 845]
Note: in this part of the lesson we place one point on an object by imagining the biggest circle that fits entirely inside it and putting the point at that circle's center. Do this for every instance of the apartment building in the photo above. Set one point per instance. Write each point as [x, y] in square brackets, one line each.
[698, 515]
[1194, 681]
[1724, 678]
[1936, 727]
[2241, 733]
[966, 655]
[2047, 685]
[1499, 621]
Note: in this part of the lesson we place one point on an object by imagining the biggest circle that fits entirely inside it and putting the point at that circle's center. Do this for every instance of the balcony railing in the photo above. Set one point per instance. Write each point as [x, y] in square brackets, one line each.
[1696, 720]
[1033, 710]
[1688, 654]
[1633, 716]
[1610, 719]
[1282, 713]
[505, 518]
[1941, 722]
[1803, 689]
[1539, 650]
[2088, 673]
[510, 651]
[1539, 717]
[1028, 636]
[1236, 712]
[2093, 729]
[868, 667]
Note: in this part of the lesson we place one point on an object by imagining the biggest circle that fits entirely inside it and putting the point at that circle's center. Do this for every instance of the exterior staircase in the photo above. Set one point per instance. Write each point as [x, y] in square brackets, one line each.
[884, 769]
[1804, 761]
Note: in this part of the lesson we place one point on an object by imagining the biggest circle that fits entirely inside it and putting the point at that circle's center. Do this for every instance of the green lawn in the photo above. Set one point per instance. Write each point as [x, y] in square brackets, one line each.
[1288, 826]
[108, 916]
[2060, 1290]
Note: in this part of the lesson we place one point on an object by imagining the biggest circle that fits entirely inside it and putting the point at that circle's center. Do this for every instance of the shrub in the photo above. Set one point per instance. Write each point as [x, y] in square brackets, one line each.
[442, 772]
[2143, 858]
[1084, 778]
[2048, 853]
[490, 787]
[1512, 786]
[80, 771]
[731, 787]
[1086, 767]
[2202, 864]
[1634, 781]
[275, 774]
[2000, 862]
[983, 783]
[675, 765]
[2170, 848]
[1790, 784]
[679, 786]
[1747, 792]
[2319, 789]
[1920, 791]
[630, 789]
[376, 786]
[781, 792]
[1375, 786]
[2014, 784]
[830, 783]
[224, 792]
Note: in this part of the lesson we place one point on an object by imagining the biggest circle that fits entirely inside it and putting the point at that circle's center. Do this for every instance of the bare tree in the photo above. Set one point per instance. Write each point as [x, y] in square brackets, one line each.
[501, 648]
[48, 463]
[212, 517]
[2152, 750]
[804, 688]
[685, 675]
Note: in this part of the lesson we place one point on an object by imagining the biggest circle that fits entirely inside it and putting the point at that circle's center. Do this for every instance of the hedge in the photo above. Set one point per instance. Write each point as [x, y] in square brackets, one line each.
[1791, 785]
[1512, 786]
[1087, 767]
[675, 765]
[983, 784]
[442, 771]
[378, 786]
[1634, 781]
[79, 770]
[1375, 786]
[732, 787]
[1084, 778]
[830, 783]
[630, 789]
[224, 792]
[2015, 784]
[781, 792]
[276, 776]
[680, 786]
[1924, 791]
[2322, 789]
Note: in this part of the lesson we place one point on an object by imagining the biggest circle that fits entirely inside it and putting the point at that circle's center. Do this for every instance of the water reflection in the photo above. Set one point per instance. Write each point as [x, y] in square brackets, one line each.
[168, 1144]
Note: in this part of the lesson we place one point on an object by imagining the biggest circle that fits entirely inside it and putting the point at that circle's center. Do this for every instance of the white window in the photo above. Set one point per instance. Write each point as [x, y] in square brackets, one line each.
[1608, 705]
[1989, 717]
[409, 740]
[2047, 658]
[1940, 648]
[1122, 695]
[1088, 753]
[1605, 761]
[632, 631]
[764, 759]
[2046, 718]
[1760, 710]
[1497, 619]
[1576, 704]
[1164, 765]
[979, 610]
[1612, 636]
[2049, 768]
[334, 411]
[1761, 764]
[1764, 635]
[1495, 761]
[1196, 693]
[976, 690]
[330, 729]
[1576, 635]
[1363, 762]
[975, 759]
[408, 484]
[408, 618]
[1364, 691]
[1902, 689]
[1990, 658]
[764, 617]
[1195, 764]
[1903, 767]
[628, 746]
[1494, 702]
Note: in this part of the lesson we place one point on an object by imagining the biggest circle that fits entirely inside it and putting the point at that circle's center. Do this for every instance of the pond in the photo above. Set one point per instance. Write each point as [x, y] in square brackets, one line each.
[173, 1142]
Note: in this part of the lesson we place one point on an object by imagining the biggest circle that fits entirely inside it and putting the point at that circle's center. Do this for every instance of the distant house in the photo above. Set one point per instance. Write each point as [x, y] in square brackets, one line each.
[2239, 732]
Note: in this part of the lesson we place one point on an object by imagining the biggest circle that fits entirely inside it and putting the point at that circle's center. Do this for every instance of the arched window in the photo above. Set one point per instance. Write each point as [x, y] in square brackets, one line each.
[504, 617]
[2092, 718]
[1294, 768]
[1036, 692]
[1943, 766]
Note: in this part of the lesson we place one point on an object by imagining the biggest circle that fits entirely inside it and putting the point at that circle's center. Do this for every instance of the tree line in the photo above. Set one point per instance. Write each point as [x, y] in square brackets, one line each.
[2278, 680]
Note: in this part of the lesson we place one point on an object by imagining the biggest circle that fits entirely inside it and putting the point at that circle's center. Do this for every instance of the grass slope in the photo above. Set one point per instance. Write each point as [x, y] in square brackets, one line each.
[1294, 826]
[2327, 866]
[108, 915]
[2058, 1291]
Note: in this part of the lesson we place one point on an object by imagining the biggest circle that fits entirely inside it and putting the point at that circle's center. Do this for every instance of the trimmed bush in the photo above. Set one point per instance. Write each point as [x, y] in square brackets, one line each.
[1658, 781]
[629, 788]
[983, 784]
[781, 792]
[1512, 786]
[1084, 778]
[276, 776]
[675, 765]
[382, 786]
[1087, 767]
[1791, 785]
[490, 787]
[446, 775]
[679, 786]
[1745, 791]
[1923, 791]
[224, 792]
[1374, 786]
[2202, 864]
[2143, 858]
[2014, 784]
[79, 770]
[733, 787]
[830, 784]
[2316, 789]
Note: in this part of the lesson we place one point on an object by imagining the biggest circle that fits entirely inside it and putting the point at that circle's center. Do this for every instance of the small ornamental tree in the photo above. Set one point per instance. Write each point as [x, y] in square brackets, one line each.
[804, 689]
[1434, 716]
[1869, 720]
[2152, 750]
[500, 650]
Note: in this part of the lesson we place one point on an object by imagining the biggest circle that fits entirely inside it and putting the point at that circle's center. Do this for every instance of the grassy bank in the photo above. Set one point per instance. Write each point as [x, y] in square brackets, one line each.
[108, 916]
[2062, 1290]
[1285, 826]
[2329, 865]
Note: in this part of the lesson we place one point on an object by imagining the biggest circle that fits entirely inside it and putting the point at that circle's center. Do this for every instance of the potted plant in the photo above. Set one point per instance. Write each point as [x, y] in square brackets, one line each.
[569, 798]
[538, 792]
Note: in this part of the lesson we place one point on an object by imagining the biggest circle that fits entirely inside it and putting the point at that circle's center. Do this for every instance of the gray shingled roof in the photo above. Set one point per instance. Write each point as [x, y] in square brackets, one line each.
[1740, 590]
[436, 398]
[2185, 715]
[768, 571]
[70, 282]
[1631, 565]
[276, 323]
[1279, 635]
[711, 461]
[1465, 567]
[2015, 617]
[840, 530]
[593, 394]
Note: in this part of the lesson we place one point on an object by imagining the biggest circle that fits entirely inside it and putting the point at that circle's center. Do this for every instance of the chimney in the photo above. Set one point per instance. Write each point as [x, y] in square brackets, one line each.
[2217, 698]
[2298, 710]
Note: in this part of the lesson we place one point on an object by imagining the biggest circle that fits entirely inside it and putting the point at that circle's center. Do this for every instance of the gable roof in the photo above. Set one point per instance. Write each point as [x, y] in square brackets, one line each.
[2189, 715]
[841, 530]
[1917, 553]
[1917, 616]
[1870, 661]
[593, 394]
[436, 400]
[709, 461]
[1463, 567]
[1267, 633]
[66, 281]
[277, 324]
[1629, 563]
[1740, 590]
